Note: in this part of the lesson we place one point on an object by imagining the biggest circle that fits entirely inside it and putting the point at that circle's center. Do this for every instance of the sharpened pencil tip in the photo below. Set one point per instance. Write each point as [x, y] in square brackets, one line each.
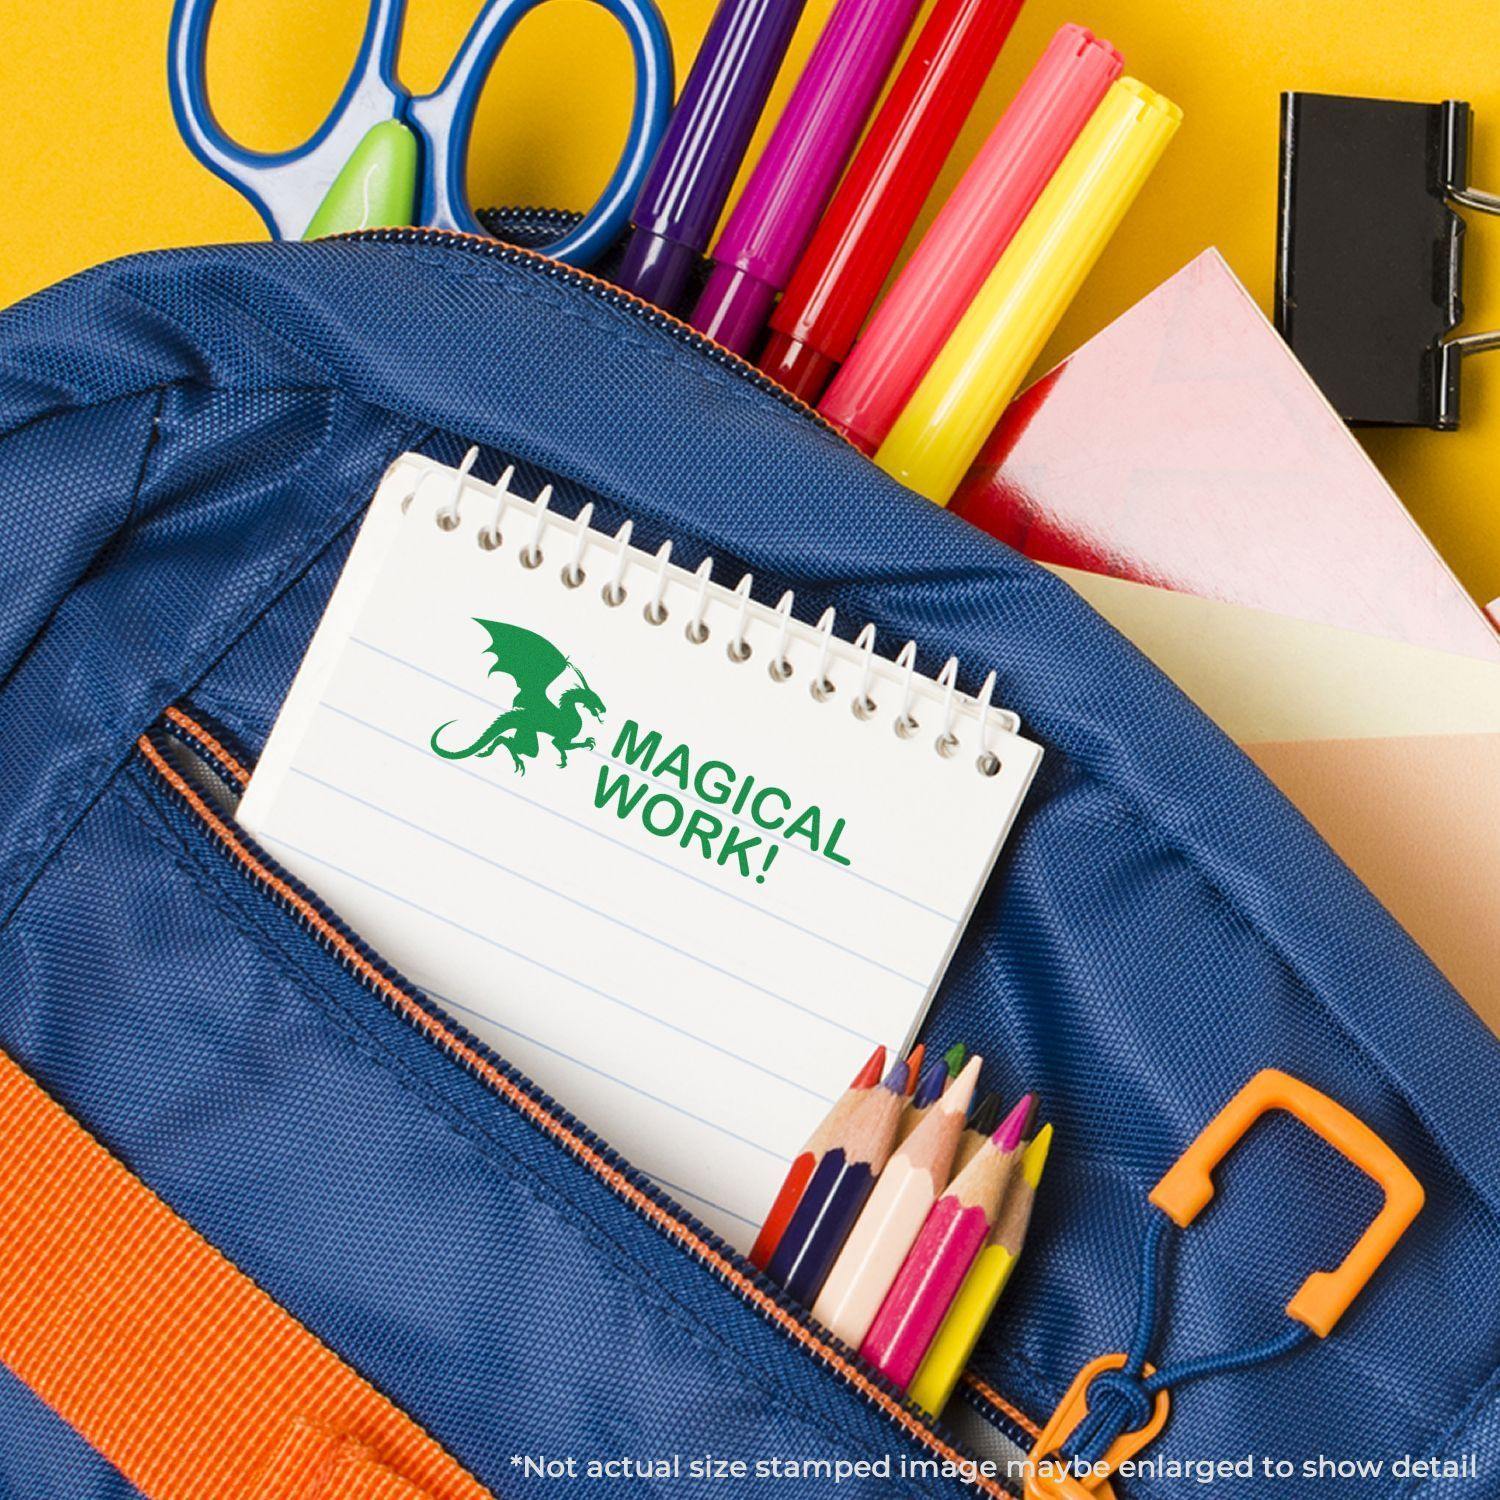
[954, 1057]
[931, 1084]
[1034, 1158]
[914, 1065]
[986, 1114]
[1008, 1136]
[869, 1075]
[895, 1080]
[961, 1091]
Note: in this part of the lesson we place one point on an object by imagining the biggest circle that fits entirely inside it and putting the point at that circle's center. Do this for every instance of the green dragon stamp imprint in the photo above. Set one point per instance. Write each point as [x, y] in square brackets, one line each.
[536, 664]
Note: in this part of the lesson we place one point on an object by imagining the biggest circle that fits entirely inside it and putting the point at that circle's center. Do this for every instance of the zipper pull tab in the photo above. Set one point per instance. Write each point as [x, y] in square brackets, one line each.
[1052, 1477]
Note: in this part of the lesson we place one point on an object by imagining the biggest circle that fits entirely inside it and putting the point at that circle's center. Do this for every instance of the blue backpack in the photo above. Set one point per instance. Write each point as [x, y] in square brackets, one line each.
[188, 441]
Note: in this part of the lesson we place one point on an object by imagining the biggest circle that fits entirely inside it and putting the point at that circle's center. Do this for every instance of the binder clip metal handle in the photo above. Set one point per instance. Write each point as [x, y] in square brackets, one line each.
[1457, 126]
[1369, 275]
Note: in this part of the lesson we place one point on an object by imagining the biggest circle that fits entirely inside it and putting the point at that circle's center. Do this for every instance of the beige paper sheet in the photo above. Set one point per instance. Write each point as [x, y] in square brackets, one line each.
[1391, 751]
[1418, 819]
[1263, 676]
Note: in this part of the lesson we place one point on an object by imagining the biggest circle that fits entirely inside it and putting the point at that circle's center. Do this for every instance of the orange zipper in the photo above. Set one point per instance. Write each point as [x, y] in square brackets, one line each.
[684, 331]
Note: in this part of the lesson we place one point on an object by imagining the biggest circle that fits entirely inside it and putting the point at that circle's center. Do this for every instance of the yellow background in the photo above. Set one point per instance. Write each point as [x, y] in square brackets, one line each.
[94, 166]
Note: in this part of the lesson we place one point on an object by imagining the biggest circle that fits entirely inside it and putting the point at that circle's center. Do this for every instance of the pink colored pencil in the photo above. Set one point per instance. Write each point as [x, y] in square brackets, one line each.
[932, 1273]
[892, 1219]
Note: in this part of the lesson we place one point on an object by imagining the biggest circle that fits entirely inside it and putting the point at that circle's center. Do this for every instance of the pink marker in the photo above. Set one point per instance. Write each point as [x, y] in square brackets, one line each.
[968, 236]
[953, 1235]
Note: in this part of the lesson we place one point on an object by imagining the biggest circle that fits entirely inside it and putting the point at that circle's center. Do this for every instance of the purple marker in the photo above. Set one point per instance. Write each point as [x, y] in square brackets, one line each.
[700, 154]
[790, 186]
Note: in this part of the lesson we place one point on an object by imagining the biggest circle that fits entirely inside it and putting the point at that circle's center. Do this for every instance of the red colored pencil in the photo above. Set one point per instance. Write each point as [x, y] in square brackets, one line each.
[932, 1273]
[805, 1163]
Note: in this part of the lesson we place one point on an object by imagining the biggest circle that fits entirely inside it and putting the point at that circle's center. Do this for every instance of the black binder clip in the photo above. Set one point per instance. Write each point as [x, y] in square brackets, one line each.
[1369, 253]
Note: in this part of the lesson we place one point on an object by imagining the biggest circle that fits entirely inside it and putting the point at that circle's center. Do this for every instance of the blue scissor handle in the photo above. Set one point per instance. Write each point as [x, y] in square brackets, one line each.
[444, 121]
[288, 186]
[285, 186]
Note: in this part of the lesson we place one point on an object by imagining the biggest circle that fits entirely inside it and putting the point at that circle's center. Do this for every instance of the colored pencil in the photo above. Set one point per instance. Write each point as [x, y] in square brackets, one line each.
[914, 1067]
[838, 1189]
[947, 1246]
[894, 1216]
[928, 1091]
[981, 1127]
[954, 1057]
[801, 1170]
[983, 1285]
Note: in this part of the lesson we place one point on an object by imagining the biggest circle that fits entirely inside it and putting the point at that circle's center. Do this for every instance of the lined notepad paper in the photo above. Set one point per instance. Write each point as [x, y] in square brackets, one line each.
[693, 932]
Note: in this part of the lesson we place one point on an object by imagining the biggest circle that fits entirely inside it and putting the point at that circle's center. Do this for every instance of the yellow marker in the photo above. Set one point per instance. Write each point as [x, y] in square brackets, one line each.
[981, 1288]
[951, 413]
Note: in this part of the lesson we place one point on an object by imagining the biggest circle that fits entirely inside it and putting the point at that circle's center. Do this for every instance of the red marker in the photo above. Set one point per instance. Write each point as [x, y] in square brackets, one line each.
[846, 262]
[967, 237]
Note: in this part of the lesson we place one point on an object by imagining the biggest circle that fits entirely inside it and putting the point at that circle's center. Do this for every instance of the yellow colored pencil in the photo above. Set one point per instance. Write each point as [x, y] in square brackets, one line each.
[976, 1299]
[908, 1187]
[958, 401]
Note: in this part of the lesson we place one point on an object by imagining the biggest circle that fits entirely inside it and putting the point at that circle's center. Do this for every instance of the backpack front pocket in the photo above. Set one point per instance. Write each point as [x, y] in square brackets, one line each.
[472, 1201]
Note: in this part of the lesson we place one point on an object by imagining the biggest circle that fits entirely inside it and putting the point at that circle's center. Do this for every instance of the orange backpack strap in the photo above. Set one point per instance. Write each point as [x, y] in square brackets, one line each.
[316, 1461]
[162, 1355]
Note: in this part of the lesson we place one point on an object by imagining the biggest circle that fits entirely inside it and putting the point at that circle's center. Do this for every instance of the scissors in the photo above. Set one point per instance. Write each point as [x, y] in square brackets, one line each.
[385, 156]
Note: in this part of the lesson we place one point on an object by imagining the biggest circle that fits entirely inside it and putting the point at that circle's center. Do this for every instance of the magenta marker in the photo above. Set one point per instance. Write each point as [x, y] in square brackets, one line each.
[792, 181]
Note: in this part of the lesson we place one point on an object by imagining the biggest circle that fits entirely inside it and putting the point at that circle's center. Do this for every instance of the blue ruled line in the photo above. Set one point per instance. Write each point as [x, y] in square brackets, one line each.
[628, 926]
[468, 692]
[507, 791]
[624, 1083]
[539, 964]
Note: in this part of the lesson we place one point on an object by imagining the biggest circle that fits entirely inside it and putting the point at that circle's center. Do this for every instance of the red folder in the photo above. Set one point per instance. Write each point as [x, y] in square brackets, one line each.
[1185, 447]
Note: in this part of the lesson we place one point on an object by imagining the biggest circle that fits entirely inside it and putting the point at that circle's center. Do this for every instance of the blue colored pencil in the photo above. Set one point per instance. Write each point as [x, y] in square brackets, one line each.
[929, 1090]
[838, 1190]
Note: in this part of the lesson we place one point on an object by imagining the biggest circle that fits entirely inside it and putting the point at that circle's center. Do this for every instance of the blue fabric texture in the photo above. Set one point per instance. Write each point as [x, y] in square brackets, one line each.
[187, 441]
[42, 1457]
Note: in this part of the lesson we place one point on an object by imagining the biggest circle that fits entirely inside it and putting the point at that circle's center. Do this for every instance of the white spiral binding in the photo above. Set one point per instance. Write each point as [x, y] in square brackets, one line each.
[745, 615]
[739, 647]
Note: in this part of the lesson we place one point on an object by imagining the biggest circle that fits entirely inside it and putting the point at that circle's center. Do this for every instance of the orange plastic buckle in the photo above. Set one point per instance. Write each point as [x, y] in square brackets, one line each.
[1322, 1299]
[1046, 1482]
[1319, 1302]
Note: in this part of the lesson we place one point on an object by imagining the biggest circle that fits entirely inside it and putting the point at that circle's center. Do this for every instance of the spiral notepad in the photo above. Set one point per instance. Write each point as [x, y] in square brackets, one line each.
[678, 855]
